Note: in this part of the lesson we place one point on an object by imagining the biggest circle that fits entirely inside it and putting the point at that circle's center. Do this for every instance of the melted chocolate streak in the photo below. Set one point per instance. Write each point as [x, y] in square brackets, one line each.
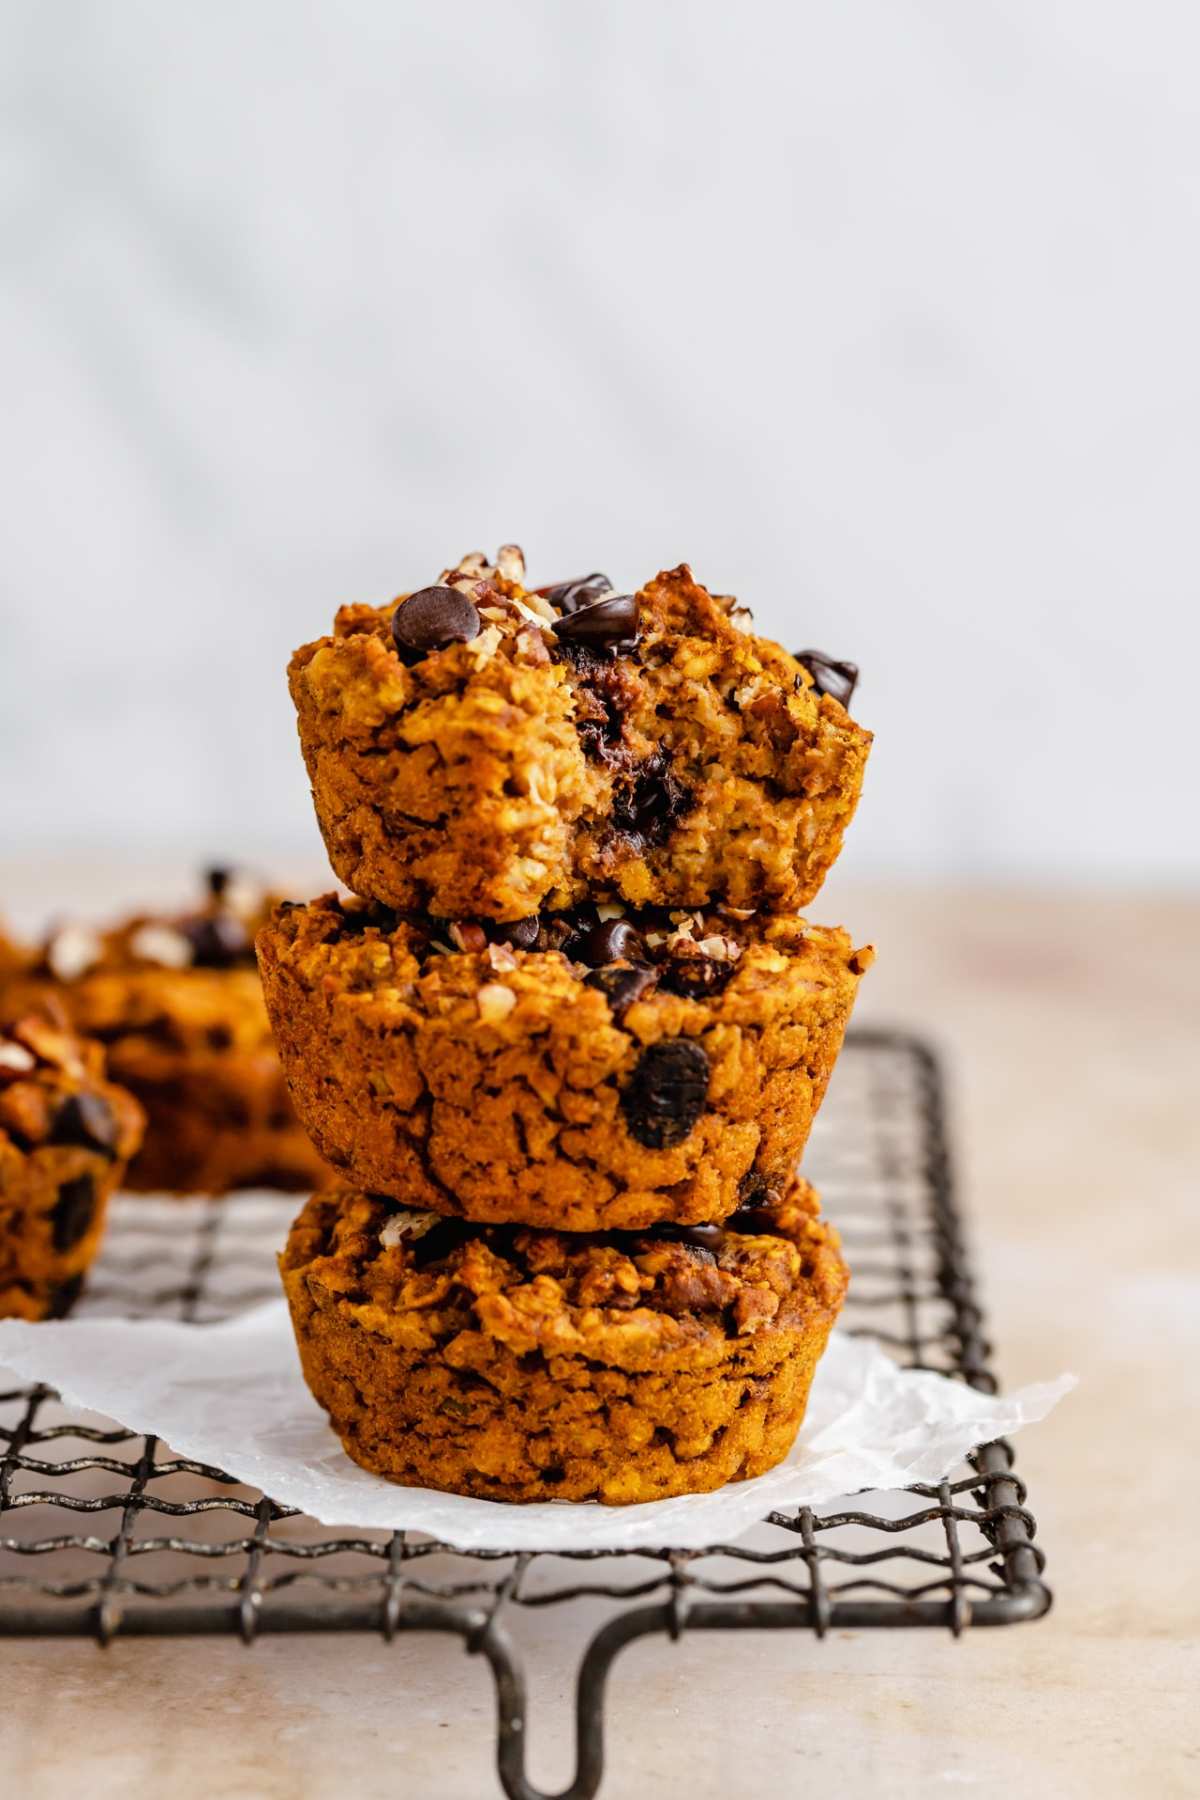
[648, 798]
[448, 1234]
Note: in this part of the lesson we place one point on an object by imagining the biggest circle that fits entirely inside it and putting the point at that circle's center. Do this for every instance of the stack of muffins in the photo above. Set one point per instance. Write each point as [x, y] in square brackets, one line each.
[566, 1041]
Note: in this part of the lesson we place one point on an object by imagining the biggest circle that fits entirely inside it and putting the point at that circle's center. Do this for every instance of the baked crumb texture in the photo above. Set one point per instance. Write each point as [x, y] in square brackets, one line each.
[653, 751]
[66, 1134]
[177, 1002]
[517, 1364]
[561, 1087]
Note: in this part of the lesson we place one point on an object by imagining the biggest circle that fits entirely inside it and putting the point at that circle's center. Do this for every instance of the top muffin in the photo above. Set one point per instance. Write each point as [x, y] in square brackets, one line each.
[482, 749]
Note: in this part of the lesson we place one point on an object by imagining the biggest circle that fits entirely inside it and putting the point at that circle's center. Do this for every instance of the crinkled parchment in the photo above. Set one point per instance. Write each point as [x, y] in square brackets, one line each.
[232, 1395]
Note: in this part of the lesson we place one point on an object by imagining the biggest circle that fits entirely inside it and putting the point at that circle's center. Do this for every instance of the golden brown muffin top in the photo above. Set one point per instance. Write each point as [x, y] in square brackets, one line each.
[633, 744]
[690, 965]
[478, 612]
[624, 1298]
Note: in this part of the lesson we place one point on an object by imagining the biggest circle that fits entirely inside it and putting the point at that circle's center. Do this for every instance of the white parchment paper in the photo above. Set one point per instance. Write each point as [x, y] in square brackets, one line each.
[232, 1395]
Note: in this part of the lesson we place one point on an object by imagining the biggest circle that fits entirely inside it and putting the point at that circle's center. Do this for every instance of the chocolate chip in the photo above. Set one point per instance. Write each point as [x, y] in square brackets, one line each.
[649, 801]
[73, 1212]
[695, 977]
[616, 940]
[557, 933]
[87, 1120]
[621, 987]
[667, 1093]
[62, 1298]
[432, 618]
[569, 596]
[610, 621]
[218, 940]
[522, 934]
[700, 1237]
[837, 679]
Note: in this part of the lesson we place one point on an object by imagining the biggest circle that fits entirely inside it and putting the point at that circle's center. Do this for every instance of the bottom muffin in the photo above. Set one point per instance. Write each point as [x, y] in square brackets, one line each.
[66, 1135]
[512, 1363]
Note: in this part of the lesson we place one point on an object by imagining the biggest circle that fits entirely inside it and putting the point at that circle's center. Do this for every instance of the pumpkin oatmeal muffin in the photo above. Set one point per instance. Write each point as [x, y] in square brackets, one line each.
[178, 1004]
[481, 749]
[13, 958]
[517, 1364]
[65, 1136]
[584, 1071]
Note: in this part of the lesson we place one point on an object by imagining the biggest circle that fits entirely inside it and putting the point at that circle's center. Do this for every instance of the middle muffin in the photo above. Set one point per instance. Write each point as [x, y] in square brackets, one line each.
[588, 1071]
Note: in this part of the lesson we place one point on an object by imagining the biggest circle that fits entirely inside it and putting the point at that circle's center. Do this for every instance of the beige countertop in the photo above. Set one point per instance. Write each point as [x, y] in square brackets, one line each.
[1069, 1025]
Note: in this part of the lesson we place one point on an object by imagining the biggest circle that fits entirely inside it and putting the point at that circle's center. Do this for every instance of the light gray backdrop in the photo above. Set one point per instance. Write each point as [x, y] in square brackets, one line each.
[882, 314]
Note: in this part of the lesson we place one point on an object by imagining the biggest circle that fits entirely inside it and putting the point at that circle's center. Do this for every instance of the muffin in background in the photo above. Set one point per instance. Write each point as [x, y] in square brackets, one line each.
[176, 1001]
[66, 1135]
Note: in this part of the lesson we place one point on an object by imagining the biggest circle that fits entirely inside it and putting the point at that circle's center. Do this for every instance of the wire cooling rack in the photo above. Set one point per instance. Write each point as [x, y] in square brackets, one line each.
[105, 1532]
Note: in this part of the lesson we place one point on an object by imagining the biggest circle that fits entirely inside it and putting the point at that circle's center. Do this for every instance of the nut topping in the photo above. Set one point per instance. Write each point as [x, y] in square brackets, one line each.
[406, 1226]
[510, 560]
[15, 1059]
[72, 951]
[163, 945]
[495, 1002]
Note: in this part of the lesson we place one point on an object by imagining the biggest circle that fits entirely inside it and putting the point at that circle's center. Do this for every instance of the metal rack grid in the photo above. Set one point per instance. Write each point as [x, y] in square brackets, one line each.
[105, 1532]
